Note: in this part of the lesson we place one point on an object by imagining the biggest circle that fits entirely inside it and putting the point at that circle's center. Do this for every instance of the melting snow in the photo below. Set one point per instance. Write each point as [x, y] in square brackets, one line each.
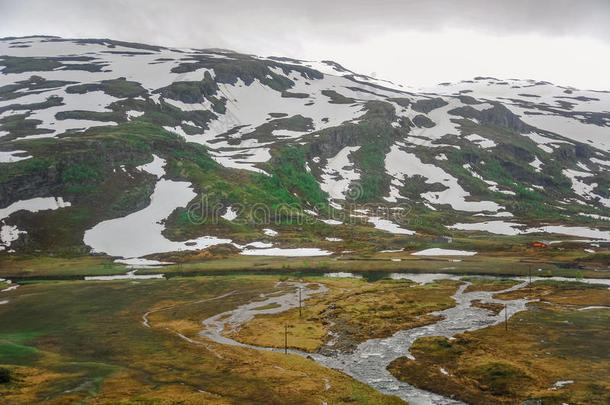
[480, 141]
[400, 164]
[536, 164]
[242, 158]
[9, 156]
[259, 245]
[594, 135]
[140, 234]
[583, 189]
[156, 167]
[561, 384]
[139, 263]
[230, 215]
[389, 226]
[269, 232]
[337, 178]
[443, 252]
[129, 276]
[511, 228]
[298, 252]
[134, 114]
[580, 231]
[34, 205]
[596, 216]
[496, 227]
[9, 234]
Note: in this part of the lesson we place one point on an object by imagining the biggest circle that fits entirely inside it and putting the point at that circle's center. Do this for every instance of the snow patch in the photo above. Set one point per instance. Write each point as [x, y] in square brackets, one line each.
[400, 164]
[336, 176]
[34, 205]
[481, 141]
[270, 232]
[297, 252]
[443, 252]
[9, 156]
[389, 226]
[140, 234]
[156, 167]
[230, 215]
[536, 164]
[139, 263]
[331, 221]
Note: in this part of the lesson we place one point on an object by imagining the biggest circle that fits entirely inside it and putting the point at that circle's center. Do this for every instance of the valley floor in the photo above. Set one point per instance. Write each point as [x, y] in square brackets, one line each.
[202, 338]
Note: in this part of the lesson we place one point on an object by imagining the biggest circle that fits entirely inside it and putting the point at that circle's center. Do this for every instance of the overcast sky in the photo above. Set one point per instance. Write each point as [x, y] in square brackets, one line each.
[418, 43]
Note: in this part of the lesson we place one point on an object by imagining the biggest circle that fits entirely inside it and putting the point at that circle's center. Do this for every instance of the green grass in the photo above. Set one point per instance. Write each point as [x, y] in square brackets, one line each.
[120, 88]
[34, 83]
[90, 115]
[371, 157]
[542, 346]
[79, 173]
[92, 344]
[337, 98]
[13, 64]
[288, 176]
[191, 92]
[12, 353]
[87, 171]
[14, 347]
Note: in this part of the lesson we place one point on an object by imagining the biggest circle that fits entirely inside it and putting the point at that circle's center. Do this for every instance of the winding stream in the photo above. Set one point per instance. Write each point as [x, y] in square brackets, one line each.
[369, 361]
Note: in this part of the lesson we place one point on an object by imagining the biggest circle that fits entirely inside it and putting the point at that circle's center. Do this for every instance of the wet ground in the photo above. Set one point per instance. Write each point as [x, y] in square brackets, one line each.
[369, 361]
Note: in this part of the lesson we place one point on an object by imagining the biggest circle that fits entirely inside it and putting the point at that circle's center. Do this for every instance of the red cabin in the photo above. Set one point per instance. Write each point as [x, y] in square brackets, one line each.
[539, 245]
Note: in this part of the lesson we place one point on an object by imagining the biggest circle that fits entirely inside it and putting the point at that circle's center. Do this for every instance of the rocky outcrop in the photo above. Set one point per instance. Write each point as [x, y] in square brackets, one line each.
[426, 105]
[498, 115]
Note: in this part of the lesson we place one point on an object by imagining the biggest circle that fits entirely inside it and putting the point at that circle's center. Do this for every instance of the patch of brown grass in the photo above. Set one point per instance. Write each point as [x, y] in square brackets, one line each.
[542, 346]
[483, 284]
[492, 307]
[353, 309]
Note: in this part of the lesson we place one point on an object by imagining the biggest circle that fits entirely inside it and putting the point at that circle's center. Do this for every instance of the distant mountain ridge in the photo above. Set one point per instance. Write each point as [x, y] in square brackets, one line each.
[107, 144]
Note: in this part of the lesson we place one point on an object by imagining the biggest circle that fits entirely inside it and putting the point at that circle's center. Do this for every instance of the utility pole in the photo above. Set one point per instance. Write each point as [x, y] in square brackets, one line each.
[300, 309]
[530, 284]
[505, 317]
[285, 338]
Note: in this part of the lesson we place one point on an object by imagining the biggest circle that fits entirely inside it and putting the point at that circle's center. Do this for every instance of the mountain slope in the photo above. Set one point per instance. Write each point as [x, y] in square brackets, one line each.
[130, 150]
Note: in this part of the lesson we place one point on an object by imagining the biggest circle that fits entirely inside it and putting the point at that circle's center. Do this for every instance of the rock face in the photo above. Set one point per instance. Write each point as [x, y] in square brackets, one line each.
[39, 184]
[427, 105]
[501, 116]
[423, 121]
[80, 118]
[333, 140]
[498, 115]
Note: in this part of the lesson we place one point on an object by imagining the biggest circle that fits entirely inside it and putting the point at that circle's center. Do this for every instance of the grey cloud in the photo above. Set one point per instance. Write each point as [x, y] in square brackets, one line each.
[450, 39]
[235, 23]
